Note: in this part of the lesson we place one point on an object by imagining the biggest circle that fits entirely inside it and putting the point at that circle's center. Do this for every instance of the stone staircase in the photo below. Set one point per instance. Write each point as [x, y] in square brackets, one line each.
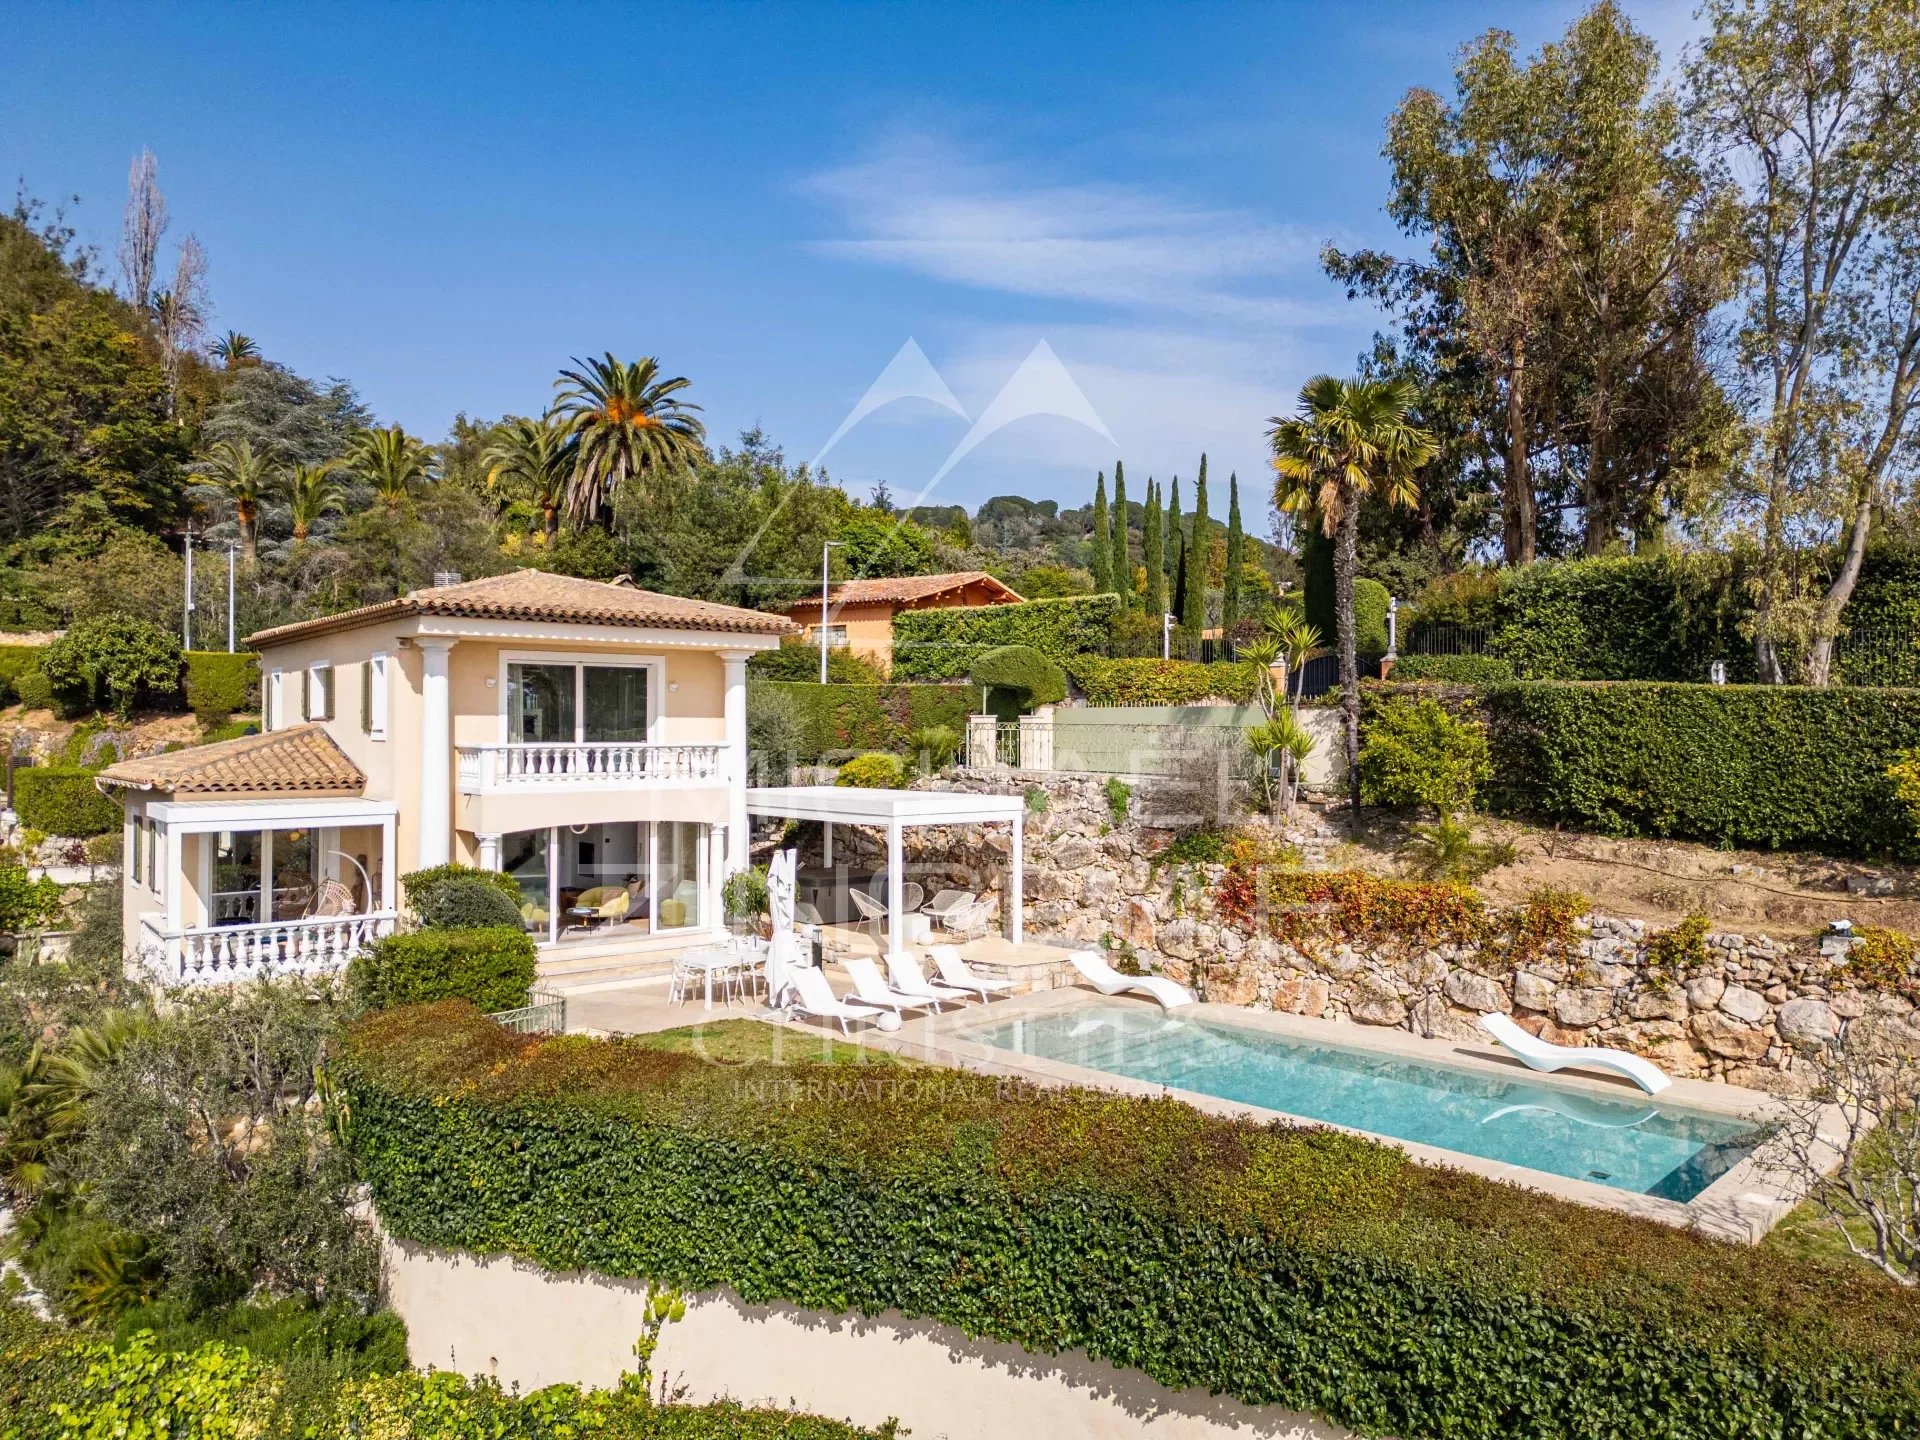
[585, 966]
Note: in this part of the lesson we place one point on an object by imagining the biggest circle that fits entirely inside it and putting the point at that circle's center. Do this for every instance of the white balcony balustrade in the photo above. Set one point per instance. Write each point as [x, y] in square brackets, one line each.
[221, 954]
[489, 769]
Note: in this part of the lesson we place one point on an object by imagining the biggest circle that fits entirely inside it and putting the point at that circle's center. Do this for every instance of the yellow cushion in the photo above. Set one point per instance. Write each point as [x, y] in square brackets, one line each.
[600, 894]
[672, 912]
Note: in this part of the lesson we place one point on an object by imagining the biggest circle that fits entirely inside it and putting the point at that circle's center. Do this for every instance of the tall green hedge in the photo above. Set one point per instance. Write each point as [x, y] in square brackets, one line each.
[15, 662]
[491, 967]
[1163, 682]
[63, 800]
[216, 684]
[1282, 1266]
[943, 644]
[841, 719]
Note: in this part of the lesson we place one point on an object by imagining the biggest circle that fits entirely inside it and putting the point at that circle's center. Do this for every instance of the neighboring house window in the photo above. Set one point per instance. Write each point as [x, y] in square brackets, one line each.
[836, 636]
[320, 692]
[373, 698]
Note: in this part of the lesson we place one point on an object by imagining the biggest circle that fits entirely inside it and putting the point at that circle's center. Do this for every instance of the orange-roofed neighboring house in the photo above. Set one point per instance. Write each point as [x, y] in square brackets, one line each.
[860, 612]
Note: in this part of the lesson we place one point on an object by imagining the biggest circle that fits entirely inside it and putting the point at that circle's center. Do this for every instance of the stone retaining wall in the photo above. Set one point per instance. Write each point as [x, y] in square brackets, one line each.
[1091, 881]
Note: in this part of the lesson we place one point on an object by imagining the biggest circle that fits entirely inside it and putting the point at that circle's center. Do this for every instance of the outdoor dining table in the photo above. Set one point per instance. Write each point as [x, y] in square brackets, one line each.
[709, 958]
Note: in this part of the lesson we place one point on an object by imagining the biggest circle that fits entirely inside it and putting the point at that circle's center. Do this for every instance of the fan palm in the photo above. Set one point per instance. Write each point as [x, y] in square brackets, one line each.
[531, 457]
[391, 461]
[313, 493]
[1349, 439]
[234, 349]
[245, 474]
[623, 421]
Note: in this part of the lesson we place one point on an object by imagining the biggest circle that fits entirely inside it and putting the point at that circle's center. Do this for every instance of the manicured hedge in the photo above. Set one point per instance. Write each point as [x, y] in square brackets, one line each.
[492, 967]
[943, 644]
[1019, 677]
[842, 719]
[1457, 669]
[1163, 682]
[216, 684]
[1288, 1267]
[15, 662]
[63, 800]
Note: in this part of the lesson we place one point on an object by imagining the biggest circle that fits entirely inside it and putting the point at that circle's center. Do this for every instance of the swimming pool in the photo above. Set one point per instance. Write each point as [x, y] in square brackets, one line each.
[1629, 1144]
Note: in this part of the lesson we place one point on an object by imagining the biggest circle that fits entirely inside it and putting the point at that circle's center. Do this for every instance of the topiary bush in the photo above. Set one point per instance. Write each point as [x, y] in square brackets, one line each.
[1287, 1266]
[1413, 752]
[1027, 677]
[423, 888]
[492, 968]
[1369, 618]
[218, 684]
[876, 771]
[469, 903]
[112, 661]
[63, 800]
[944, 644]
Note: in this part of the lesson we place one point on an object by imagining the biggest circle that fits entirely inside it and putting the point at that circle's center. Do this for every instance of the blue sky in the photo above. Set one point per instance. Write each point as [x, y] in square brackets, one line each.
[442, 204]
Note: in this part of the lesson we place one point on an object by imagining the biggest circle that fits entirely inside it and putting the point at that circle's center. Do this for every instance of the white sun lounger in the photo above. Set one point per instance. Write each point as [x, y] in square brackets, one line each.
[1537, 1054]
[1095, 970]
[906, 978]
[870, 989]
[955, 971]
[816, 998]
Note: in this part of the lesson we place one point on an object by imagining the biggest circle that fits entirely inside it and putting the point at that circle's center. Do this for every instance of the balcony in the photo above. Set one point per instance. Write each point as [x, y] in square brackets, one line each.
[539, 768]
[218, 954]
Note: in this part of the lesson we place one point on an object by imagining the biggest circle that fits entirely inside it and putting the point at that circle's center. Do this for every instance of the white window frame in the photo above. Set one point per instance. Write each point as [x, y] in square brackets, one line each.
[373, 682]
[836, 636]
[656, 684]
[271, 702]
[320, 684]
[136, 847]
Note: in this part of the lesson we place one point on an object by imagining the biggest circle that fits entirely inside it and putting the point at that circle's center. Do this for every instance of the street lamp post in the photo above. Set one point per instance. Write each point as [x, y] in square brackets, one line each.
[230, 554]
[825, 555]
[1166, 636]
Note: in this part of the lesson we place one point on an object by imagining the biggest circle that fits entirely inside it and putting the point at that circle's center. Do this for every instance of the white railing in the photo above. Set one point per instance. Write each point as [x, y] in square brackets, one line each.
[221, 954]
[243, 906]
[595, 763]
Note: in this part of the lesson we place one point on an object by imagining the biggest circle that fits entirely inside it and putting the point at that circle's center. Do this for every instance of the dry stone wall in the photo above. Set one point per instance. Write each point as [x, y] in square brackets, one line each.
[1091, 880]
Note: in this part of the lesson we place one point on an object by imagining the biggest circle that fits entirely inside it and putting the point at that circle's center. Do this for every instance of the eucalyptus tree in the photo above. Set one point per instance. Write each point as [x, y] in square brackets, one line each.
[393, 462]
[625, 422]
[246, 475]
[1347, 441]
[532, 458]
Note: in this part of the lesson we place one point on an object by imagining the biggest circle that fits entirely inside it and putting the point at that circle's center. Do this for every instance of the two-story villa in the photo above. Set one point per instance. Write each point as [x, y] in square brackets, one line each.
[587, 738]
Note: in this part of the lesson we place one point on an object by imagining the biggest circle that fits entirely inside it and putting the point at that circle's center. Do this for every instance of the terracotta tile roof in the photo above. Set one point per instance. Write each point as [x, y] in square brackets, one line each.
[302, 758]
[536, 595]
[905, 589]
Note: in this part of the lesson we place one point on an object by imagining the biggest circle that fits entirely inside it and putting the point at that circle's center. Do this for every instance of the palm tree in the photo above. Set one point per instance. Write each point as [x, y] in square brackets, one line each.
[533, 456]
[1348, 440]
[244, 473]
[234, 349]
[623, 420]
[391, 461]
[313, 492]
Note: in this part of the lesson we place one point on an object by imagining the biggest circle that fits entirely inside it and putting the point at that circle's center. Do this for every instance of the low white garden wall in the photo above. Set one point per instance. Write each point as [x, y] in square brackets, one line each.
[530, 1327]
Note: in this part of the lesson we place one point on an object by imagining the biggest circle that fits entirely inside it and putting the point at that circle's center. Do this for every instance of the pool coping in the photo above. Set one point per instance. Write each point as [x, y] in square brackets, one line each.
[1742, 1205]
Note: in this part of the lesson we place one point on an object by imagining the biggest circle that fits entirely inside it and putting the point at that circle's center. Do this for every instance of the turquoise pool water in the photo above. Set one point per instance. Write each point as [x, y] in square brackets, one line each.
[1642, 1146]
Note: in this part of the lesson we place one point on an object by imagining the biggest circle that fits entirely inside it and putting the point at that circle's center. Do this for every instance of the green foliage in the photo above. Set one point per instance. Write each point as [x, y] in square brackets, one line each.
[493, 968]
[879, 544]
[422, 887]
[213, 1393]
[112, 660]
[26, 904]
[743, 895]
[1424, 1303]
[1674, 955]
[797, 660]
[468, 903]
[1206, 846]
[1770, 767]
[1369, 617]
[1454, 669]
[15, 662]
[1904, 772]
[1413, 752]
[944, 644]
[777, 737]
[1027, 677]
[347, 1342]
[875, 770]
[1447, 851]
[1038, 802]
[1119, 799]
[932, 747]
[63, 800]
[218, 684]
[33, 689]
[836, 719]
[1164, 682]
[1659, 617]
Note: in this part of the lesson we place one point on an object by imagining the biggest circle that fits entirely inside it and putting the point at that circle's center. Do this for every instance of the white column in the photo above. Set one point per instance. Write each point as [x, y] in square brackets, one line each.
[170, 857]
[736, 767]
[1016, 879]
[436, 756]
[389, 863]
[826, 845]
[489, 851]
[553, 884]
[896, 888]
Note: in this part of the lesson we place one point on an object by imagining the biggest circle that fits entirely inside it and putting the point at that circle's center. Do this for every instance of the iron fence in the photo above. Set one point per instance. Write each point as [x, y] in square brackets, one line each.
[1878, 655]
[545, 1014]
[1447, 638]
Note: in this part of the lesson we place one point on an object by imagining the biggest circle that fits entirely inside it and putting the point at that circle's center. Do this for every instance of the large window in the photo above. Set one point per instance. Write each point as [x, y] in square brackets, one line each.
[557, 703]
[596, 881]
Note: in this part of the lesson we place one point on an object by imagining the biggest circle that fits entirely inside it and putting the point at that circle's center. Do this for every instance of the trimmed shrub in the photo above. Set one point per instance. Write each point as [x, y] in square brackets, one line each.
[944, 644]
[1283, 1266]
[491, 968]
[16, 661]
[1370, 601]
[422, 887]
[1027, 677]
[798, 660]
[469, 903]
[63, 800]
[33, 689]
[1415, 753]
[876, 771]
[839, 719]
[112, 661]
[1454, 669]
[218, 684]
[1164, 682]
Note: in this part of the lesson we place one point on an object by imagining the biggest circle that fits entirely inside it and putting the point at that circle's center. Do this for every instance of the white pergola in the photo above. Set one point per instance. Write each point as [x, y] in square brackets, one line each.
[894, 811]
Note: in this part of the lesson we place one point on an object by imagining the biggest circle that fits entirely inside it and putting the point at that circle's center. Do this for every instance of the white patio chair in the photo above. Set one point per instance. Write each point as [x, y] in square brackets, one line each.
[906, 978]
[873, 915]
[955, 971]
[686, 978]
[1095, 970]
[954, 911]
[870, 989]
[1538, 1054]
[816, 998]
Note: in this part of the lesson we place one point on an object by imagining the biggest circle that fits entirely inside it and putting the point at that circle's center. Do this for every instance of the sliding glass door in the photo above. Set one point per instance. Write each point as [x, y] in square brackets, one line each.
[616, 703]
[563, 703]
[602, 881]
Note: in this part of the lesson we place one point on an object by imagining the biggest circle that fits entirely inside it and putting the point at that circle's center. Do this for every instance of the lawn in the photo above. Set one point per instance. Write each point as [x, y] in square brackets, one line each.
[734, 1042]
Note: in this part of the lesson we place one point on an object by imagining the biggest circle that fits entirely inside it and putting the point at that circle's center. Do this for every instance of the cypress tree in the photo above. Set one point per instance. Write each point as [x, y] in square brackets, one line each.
[1120, 574]
[1182, 582]
[1236, 557]
[1171, 529]
[1193, 610]
[1153, 553]
[1102, 545]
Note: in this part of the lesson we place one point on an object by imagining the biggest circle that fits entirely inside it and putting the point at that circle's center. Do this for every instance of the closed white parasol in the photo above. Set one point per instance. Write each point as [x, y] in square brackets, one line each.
[783, 954]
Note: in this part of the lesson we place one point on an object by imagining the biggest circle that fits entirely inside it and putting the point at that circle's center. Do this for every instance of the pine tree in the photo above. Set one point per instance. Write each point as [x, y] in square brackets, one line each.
[1170, 529]
[1193, 609]
[1153, 552]
[1236, 557]
[1102, 545]
[1120, 575]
